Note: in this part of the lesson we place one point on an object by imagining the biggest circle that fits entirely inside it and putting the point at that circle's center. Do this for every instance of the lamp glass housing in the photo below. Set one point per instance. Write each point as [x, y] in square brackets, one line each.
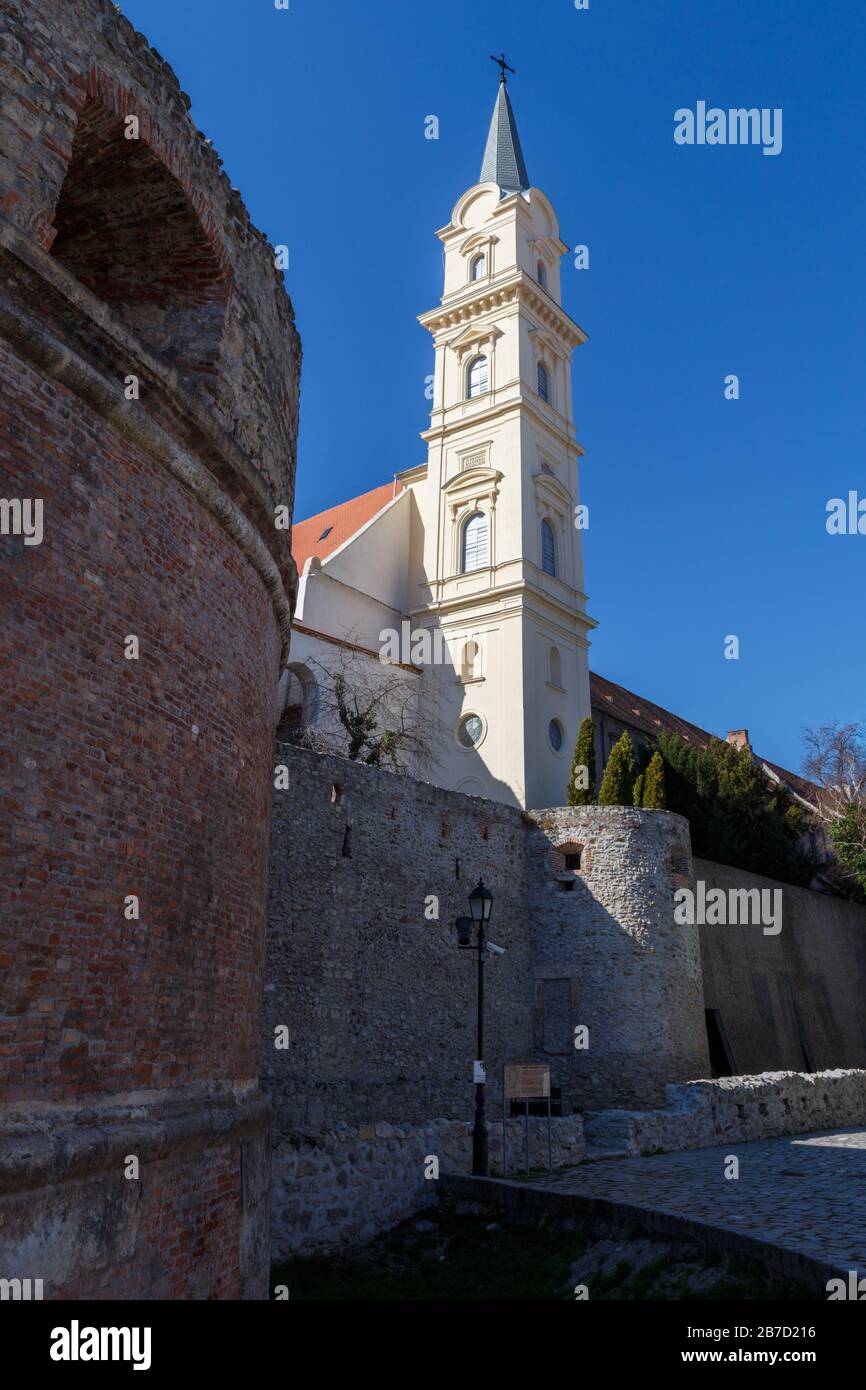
[480, 903]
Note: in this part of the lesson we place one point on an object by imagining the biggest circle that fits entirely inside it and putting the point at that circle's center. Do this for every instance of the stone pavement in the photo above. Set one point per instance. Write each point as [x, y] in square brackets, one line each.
[804, 1194]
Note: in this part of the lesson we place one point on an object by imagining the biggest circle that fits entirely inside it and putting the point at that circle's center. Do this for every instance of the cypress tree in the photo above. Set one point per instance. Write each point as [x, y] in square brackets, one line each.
[617, 784]
[654, 785]
[584, 757]
[638, 788]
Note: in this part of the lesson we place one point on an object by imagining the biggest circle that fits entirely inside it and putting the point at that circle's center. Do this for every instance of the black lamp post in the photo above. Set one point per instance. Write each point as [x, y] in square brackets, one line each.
[480, 906]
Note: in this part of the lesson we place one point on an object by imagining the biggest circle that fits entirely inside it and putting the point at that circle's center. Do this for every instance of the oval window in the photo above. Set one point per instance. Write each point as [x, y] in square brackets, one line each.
[554, 733]
[469, 731]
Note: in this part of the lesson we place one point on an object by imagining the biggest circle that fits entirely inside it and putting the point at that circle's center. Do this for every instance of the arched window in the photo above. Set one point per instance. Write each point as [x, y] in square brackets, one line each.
[478, 266]
[541, 275]
[469, 661]
[477, 377]
[474, 545]
[555, 667]
[548, 549]
[543, 382]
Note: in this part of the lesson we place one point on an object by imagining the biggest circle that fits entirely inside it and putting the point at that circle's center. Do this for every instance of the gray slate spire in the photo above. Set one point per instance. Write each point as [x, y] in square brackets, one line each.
[503, 157]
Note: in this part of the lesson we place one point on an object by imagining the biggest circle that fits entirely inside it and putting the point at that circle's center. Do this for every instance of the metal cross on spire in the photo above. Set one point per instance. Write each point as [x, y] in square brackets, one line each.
[503, 68]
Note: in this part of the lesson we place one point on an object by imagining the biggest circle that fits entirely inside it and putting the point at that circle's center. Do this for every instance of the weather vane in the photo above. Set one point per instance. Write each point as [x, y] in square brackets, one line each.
[503, 67]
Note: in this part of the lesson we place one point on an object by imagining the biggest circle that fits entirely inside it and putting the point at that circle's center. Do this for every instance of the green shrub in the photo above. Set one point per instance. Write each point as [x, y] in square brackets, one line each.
[584, 757]
[735, 816]
[617, 784]
[848, 838]
[654, 785]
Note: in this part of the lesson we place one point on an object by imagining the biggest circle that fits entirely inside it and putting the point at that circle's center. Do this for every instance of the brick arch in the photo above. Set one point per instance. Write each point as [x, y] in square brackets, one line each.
[298, 701]
[123, 102]
[560, 856]
[128, 225]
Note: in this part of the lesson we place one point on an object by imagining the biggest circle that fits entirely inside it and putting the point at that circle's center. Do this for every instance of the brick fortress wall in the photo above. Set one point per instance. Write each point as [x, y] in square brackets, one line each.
[133, 258]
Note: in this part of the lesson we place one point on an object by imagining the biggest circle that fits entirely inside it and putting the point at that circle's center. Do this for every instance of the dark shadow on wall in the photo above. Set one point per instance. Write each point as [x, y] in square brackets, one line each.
[792, 1001]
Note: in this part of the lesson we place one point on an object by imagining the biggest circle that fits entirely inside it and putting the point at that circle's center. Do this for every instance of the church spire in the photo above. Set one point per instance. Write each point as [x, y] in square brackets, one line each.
[503, 157]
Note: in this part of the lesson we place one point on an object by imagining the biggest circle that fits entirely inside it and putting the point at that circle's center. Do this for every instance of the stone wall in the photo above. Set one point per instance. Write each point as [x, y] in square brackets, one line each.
[124, 1030]
[379, 1002]
[378, 999]
[734, 1109]
[604, 934]
[793, 1000]
[344, 1184]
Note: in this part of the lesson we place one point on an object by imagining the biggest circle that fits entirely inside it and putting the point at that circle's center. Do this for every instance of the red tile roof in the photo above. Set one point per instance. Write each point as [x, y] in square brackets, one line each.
[340, 522]
[642, 714]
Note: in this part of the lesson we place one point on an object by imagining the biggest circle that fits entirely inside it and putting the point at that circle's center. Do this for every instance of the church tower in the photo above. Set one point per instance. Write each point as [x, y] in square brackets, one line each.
[497, 559]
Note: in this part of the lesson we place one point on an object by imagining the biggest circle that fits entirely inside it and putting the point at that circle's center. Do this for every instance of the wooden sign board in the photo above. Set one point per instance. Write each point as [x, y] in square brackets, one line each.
[526, 1081]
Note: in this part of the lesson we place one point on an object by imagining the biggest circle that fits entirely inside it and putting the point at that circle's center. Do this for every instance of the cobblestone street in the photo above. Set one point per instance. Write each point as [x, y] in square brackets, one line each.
[805, 1194]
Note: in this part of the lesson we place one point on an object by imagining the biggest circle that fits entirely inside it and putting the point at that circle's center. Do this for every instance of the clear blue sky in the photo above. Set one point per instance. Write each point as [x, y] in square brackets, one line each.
[707, 515]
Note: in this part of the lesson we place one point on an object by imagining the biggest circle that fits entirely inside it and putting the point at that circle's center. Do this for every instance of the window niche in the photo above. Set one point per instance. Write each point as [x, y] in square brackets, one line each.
[569, 861]
[470, 662]
[554, 668]
[127, 230]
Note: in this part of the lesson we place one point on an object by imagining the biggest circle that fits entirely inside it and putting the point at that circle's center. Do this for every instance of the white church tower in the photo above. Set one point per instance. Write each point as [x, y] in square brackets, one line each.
[496, 561]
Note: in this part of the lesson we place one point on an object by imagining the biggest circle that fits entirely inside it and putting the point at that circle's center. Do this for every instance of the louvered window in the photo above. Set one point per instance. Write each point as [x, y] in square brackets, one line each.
[477, 377]
[543, 383]
[548, 549]
[474, 550]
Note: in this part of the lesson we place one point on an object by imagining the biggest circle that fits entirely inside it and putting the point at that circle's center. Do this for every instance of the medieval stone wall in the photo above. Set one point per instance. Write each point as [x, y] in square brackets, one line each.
[345, 1184]
[604, 941]
[732, 1110]
[131, 259]
[378, 999]
[380, 1002]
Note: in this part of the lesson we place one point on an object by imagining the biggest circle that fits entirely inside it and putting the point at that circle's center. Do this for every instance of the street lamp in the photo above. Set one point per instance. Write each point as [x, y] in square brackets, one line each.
[480, 906]
[480, 903]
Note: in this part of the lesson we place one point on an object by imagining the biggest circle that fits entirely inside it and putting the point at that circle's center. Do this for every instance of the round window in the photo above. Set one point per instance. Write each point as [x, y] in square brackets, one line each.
[554, 733]
[469, 730]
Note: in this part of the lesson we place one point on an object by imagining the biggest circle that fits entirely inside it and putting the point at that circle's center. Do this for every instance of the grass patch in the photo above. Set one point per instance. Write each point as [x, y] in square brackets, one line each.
[462, 1260]
[476, 1258]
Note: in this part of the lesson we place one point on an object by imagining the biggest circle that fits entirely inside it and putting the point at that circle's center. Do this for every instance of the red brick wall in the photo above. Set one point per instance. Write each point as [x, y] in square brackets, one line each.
[183, 1218]
[108, 788]
[149, 777]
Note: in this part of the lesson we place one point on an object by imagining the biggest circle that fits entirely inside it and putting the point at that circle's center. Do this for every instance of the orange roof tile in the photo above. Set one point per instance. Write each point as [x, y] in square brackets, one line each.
[309, 538]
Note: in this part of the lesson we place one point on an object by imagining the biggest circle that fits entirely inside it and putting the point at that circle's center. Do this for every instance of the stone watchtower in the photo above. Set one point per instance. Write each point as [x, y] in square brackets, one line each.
[148, 398]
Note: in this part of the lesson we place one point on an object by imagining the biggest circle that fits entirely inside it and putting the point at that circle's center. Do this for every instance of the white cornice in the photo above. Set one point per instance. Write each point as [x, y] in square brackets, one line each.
[563, 434]
[470, 304]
